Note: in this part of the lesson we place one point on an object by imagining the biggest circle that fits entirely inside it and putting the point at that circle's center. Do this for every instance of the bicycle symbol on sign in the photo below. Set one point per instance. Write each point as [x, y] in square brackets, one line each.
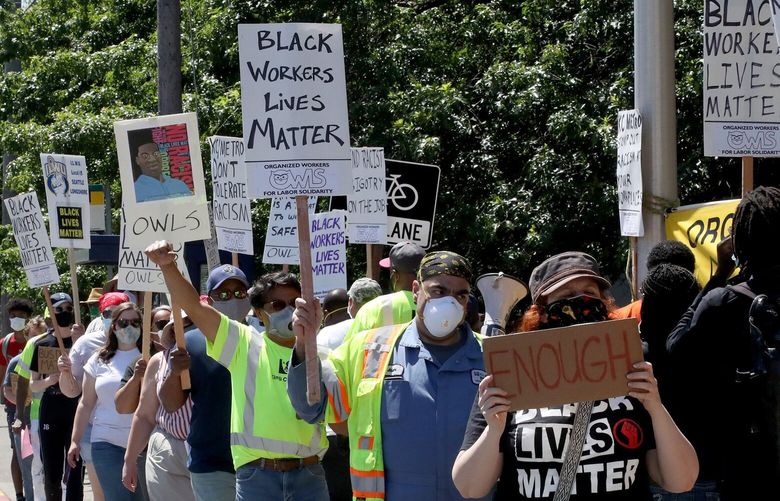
[402, 195]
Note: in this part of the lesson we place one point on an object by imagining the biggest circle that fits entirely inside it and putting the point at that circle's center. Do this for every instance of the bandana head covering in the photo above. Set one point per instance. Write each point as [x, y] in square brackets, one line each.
[444, 263]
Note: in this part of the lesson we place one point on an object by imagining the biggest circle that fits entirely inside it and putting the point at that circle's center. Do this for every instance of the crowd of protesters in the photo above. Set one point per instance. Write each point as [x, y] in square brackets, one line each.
[406, 409]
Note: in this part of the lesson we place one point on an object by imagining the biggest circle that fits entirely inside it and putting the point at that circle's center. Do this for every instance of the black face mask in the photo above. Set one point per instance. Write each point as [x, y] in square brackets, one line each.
[64, 318]
[574, 310]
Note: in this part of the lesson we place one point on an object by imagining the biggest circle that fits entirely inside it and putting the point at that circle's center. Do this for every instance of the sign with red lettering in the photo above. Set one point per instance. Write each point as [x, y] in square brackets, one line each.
[566, 365]
[163, 190]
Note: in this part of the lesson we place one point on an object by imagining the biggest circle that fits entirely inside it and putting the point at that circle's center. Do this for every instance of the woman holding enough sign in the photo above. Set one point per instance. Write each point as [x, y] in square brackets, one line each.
[628, 441]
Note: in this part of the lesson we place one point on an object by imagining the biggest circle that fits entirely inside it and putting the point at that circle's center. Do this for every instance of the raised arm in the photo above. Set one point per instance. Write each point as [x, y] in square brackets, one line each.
[183, 294]
[144, 422]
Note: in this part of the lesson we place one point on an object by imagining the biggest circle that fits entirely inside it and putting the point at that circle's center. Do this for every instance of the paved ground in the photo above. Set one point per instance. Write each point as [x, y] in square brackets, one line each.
[6, 484]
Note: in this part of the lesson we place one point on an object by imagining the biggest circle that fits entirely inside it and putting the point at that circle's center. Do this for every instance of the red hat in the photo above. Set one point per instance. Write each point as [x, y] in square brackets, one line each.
[112, 299]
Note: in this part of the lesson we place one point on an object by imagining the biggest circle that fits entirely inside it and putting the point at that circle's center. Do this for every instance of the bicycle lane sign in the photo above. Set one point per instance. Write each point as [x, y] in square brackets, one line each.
[412, 193]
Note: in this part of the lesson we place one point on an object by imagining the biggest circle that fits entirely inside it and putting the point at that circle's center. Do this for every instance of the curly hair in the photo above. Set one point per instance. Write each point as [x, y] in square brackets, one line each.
[109, 349]
[754, 230]
[20, 304]
[258, 294]
[671, 252]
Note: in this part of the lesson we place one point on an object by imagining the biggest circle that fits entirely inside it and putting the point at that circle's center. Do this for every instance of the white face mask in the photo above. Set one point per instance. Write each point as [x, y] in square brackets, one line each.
[18, 323]
[280, 323]
[442, 315]
[128, 335]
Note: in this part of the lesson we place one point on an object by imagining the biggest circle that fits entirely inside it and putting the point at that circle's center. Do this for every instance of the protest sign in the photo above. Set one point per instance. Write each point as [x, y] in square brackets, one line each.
[741, 79]
[281, 237]
[564, 365]
[328, 252]
[367, 205]
[30, 235]
[163, 190]
[67, 198]
[15, 385]
[629, 173]
[294, 104]
[232, 217]
[210, 245]
[136, 271]
[47, 360]
[701, 227]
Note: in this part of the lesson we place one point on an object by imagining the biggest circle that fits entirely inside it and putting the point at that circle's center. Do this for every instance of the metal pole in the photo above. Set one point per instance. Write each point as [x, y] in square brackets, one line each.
[168, 57]
[654, 97]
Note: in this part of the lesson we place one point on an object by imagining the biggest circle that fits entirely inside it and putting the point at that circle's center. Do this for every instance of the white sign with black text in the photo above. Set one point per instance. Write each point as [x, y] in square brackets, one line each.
[367, 205]
[67, 198]
[294, 104]
[629, 173]
[281, 238]
[232, 217]
[30, 235]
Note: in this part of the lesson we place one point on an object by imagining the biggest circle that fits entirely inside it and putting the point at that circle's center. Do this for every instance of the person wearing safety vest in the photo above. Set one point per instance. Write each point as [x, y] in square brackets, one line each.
[398, 307]
[406, 389]
[276, 455]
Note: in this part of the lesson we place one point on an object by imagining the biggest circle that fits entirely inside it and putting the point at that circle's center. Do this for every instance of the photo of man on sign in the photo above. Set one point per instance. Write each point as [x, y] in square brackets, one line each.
[161, 162]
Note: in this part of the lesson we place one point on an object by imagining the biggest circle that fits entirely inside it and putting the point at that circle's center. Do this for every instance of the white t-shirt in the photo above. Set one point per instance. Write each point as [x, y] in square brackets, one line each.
[83, 348]
[107, 424]
[329, 338]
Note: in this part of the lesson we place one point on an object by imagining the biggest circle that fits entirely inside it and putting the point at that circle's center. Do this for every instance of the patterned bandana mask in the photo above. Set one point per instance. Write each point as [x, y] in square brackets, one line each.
[574, 310]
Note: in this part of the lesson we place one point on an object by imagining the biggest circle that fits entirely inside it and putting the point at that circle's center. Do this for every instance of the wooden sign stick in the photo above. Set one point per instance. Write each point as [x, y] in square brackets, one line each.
[54, 323]
[307, 292]
[634, 268]
[74, 285]
[234, 255]
[147, 332]
[747, 175]
[178, 331]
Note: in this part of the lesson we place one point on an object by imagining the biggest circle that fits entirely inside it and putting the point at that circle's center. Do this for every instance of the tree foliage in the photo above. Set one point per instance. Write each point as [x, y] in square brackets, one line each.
[515, 100]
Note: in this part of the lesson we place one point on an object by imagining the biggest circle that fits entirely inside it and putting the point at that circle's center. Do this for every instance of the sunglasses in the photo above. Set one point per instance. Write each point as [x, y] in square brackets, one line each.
[279, 305]
[227, 295]
[122, 323]
[160, 324]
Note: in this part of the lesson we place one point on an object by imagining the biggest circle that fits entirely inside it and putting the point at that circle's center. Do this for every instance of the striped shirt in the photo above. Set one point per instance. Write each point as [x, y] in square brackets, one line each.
[175, 423]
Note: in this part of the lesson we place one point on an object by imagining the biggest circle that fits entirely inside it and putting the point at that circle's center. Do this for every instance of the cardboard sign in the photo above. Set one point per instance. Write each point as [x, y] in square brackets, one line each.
[560, 366]
[294, 104]
[47, 359]
[741, 79]
[30, 235]
[701, 227]
[281, 237]
[15, 385]
[232, 217]
[67, 197]
[367, 205]
[328, 252]
[136, 271]
[163, 189]
[629, 173]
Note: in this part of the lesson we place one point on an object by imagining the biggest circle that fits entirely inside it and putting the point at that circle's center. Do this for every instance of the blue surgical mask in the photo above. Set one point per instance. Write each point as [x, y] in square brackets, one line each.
[106, 324]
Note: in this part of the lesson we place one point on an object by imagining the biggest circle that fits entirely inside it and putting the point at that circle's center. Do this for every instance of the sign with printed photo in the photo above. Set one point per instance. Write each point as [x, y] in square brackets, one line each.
[163, 189]
[741, 79]
[230, 198]
[30, 235]
[67, 198]
[294, 104]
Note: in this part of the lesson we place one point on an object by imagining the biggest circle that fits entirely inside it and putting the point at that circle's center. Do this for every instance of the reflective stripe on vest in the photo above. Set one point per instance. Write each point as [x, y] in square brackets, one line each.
[387, 310]
[337, 394]
[367, 484]
[377, 349]
[229, 348]
[247, 438]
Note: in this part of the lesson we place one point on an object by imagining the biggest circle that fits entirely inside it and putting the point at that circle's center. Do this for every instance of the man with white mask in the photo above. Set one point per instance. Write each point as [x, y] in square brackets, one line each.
[405, 410]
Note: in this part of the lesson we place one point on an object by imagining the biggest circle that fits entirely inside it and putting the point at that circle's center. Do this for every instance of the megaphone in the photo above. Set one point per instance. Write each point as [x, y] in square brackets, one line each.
[500, 293]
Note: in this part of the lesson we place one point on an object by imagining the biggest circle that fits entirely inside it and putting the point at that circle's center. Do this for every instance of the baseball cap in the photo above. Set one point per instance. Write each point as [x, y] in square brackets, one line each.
[60, 297]
[110, 299]
[562, 269]
[222, 273]
[404, 257]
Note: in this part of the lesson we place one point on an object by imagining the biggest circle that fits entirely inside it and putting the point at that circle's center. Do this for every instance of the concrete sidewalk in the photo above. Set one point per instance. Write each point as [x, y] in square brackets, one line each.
[7, 492]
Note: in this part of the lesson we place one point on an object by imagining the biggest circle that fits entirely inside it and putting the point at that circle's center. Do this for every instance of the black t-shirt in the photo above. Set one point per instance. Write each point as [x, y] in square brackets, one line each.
[50, 341]
[534, 443]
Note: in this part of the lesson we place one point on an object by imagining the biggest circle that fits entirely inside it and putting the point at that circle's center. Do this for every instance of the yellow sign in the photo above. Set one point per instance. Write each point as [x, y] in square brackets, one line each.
[701, 227]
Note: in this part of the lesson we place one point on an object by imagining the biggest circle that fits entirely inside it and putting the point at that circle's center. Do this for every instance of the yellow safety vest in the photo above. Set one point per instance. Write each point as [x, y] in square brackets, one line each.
[390, 309]
[353, 376]
[263, 423]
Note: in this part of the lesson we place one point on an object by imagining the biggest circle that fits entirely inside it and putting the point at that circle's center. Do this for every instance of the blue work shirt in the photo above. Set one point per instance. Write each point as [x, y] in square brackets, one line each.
[148, 188]
[425, 409]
